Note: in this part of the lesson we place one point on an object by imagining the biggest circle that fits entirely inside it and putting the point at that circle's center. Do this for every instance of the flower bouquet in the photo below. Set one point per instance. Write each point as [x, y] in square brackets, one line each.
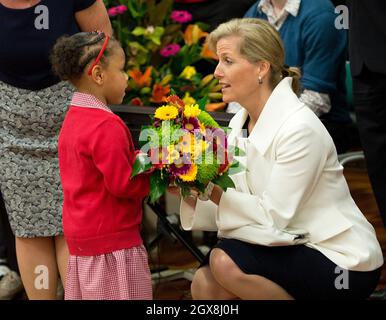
[185, 147]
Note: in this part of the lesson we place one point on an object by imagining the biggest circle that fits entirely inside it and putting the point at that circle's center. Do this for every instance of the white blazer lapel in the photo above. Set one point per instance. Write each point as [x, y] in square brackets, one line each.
[281, 104]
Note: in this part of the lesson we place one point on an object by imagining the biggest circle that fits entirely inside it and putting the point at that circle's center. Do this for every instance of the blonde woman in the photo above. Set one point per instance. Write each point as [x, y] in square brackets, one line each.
[290, 229]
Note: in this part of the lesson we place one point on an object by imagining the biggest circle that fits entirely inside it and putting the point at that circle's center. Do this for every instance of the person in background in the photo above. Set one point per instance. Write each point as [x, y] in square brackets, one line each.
[102, 208]
[32, 107]
[319, 49]
[290, 228]
[367, 34]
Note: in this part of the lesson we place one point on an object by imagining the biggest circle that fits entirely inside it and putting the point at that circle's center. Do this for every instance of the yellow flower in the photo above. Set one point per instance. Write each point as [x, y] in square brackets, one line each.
[192, 111]
[173, 154]
[188, 99]
[188, 72]
[166, 112]
[190, 175]
[166, 79]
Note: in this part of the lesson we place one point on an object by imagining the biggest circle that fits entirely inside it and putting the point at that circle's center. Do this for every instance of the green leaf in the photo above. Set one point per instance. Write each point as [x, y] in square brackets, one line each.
[156, 35]
[138, 31]
[141, 164]
[236, 167]
[161, 10]
[185, 190]
[202, 103]
[224, 182]
[158, 186]
[236, 151]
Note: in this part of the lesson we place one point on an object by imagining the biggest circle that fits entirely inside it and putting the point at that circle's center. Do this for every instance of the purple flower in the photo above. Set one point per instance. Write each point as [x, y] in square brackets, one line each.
[177, 170]
[114, 11]
[181, 16]
[170, 50]
[181, 166]
[191, 124]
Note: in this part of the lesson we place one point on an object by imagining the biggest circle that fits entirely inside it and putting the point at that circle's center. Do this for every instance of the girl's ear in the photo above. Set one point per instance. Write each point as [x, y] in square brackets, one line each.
[97, 75]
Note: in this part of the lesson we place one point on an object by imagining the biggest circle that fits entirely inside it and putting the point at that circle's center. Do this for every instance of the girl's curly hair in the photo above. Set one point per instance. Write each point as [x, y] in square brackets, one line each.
[71, 54]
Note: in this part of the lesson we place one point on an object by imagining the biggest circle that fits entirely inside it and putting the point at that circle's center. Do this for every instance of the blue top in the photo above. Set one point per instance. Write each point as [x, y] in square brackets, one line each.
[313, 44]
[27, 36]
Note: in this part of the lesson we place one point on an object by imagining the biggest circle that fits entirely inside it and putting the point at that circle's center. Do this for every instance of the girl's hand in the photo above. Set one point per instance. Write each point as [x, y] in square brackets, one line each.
[191, 199]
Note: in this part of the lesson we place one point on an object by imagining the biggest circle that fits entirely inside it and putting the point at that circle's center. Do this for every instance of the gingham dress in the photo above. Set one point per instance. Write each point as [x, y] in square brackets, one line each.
[119, 275]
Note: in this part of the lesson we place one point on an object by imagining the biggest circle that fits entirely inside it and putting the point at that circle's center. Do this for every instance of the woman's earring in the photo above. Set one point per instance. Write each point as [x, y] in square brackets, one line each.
[260, 80]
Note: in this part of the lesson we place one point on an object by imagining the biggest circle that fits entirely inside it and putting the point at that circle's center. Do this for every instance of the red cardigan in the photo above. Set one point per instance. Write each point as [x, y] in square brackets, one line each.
[102, 209]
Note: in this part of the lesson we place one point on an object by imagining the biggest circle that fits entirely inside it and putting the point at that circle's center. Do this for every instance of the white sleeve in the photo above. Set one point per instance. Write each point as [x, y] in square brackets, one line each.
[203, 217]
[299, 163]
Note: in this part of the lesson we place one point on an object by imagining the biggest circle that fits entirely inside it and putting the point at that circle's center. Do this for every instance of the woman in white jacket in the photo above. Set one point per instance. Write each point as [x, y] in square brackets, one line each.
[290, 228]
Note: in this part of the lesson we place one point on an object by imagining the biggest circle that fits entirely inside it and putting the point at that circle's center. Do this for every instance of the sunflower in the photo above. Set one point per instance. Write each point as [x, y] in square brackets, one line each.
[166, 112]
[190, 175]
[192, 111]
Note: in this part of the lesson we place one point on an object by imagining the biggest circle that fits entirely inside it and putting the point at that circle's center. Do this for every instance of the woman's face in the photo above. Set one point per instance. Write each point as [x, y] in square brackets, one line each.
[238, 76]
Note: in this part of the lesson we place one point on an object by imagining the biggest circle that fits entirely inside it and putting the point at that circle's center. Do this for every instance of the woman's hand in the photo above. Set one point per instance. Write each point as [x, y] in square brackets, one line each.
[191, 199]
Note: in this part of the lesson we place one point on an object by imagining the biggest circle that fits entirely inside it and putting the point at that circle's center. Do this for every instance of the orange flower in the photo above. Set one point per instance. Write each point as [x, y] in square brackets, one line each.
[210, 107]
[136, 102]
[175, 100]
[159, 93]
[193, 33]
[141, 79]
[207, 53]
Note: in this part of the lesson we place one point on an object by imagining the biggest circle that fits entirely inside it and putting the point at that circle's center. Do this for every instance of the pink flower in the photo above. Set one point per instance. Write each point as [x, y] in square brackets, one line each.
[170, 50]
[181, 16]
[114, 11]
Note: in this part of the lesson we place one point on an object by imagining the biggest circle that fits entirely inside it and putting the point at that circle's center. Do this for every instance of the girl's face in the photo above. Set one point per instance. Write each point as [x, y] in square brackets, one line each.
[238, 76]
[115, 83]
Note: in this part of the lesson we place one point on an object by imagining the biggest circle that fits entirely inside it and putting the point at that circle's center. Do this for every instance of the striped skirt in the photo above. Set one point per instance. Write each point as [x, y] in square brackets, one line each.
[30, 122]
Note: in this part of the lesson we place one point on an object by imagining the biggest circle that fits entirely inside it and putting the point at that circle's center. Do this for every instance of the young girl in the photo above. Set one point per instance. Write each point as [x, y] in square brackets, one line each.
[102, 209]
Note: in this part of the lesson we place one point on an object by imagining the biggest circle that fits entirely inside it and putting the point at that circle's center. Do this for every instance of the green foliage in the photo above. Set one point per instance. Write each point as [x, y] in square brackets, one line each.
[207, 169]
[145, 28]
[207, 120]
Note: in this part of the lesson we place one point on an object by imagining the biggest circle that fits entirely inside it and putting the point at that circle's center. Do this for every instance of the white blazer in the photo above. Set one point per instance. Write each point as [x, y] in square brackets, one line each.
[293, 190]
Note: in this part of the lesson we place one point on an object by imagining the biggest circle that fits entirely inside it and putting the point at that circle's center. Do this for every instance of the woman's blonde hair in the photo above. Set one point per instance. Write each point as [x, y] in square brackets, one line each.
[259, 41]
